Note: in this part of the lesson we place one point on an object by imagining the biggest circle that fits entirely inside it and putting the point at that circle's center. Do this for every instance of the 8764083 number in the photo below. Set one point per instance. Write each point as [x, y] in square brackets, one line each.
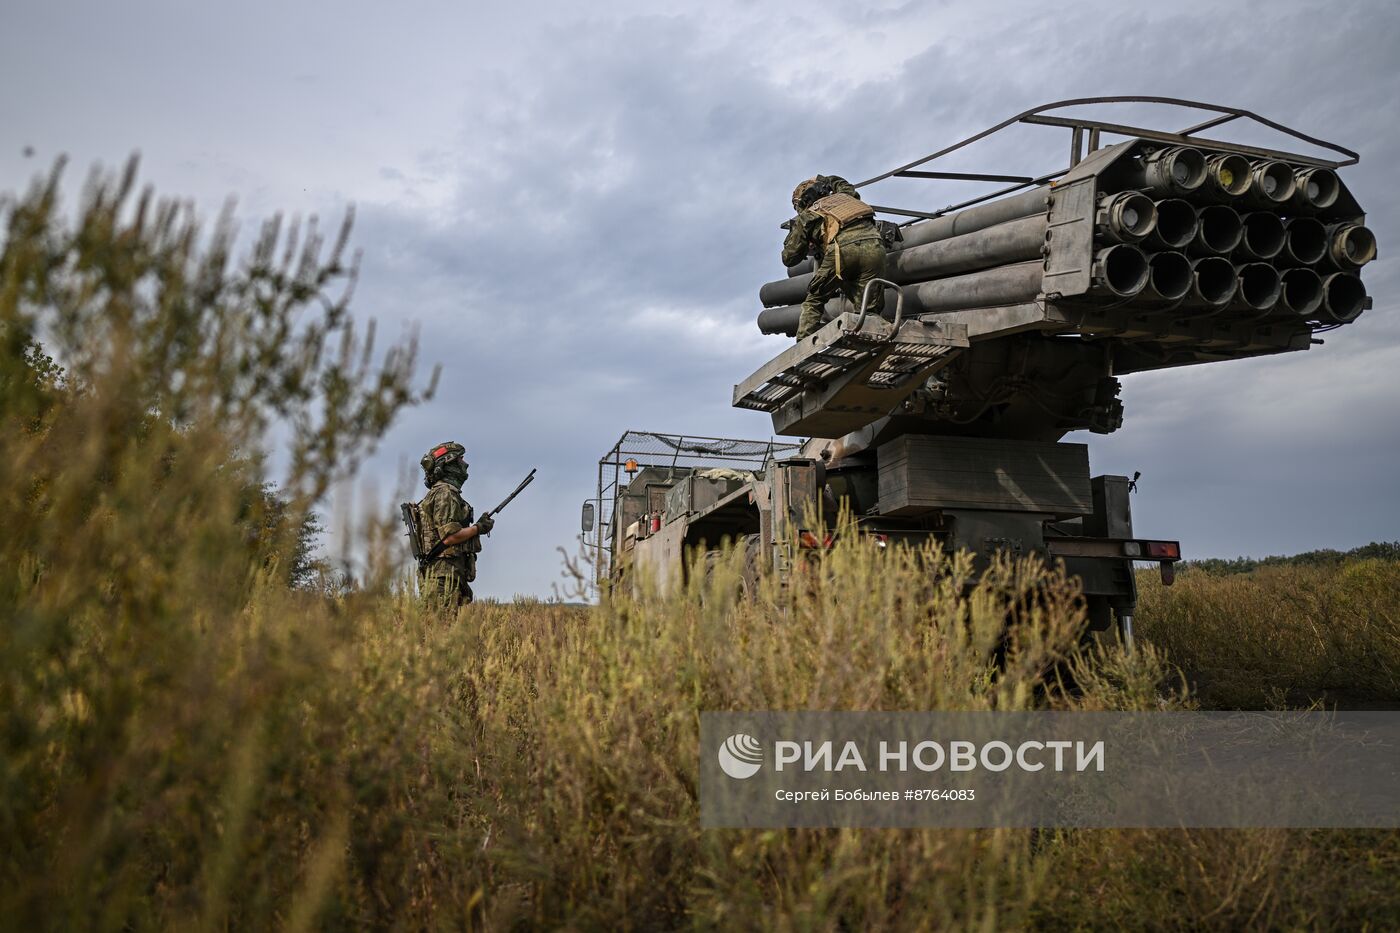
[935, 793]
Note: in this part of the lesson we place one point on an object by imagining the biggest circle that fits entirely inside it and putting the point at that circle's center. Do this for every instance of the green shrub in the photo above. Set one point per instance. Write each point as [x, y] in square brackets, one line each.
[144, 555]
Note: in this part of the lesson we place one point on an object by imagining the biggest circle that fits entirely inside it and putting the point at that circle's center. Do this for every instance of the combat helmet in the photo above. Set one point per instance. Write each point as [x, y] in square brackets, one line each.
[808, 191]
[438, 458]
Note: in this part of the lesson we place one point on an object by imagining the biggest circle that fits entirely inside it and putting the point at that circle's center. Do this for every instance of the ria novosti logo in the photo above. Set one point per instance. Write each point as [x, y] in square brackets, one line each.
[740, 756]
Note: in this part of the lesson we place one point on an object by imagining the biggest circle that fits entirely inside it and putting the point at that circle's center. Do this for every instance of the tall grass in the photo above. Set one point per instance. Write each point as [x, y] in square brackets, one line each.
[363, 761]
[1283, 636]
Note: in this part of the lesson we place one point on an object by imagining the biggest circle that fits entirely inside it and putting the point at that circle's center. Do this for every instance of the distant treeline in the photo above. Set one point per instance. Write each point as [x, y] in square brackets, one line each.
[1327, 557]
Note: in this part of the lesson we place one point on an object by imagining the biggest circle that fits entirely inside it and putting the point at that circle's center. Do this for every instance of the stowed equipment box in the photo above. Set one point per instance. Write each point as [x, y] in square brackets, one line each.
[920, 473]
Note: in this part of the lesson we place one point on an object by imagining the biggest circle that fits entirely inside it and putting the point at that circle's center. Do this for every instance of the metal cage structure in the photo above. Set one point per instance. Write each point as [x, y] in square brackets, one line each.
[637, 450]
[1086, 138]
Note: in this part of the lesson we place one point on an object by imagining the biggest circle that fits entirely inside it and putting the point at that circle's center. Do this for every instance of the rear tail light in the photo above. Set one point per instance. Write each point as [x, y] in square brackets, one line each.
[807, 539]
[1163, 550]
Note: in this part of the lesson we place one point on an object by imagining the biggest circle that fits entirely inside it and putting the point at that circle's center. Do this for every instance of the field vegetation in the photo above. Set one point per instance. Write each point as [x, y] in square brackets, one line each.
[191, 737]
[1289, 634]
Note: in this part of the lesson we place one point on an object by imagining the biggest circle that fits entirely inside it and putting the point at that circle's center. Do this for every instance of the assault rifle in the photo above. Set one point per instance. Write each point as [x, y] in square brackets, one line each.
[530, 478]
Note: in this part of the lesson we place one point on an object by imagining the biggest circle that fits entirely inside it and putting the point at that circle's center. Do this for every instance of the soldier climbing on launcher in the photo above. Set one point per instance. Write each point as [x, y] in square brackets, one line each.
[836, 228]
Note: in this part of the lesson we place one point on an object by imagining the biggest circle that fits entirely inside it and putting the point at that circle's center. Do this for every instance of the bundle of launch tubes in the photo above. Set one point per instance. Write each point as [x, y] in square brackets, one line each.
[1188, 233]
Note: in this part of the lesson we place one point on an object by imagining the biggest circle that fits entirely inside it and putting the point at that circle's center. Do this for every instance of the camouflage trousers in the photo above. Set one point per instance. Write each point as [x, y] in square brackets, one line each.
[862, 258]
[444, 584]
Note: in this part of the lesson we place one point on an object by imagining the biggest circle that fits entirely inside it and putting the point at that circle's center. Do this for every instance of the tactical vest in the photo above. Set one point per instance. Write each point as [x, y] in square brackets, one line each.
[838, 211]
[432, 533]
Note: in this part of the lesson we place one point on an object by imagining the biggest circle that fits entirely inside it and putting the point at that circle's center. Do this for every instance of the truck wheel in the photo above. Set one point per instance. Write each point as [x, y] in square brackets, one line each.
[707, 570]
[747, 589]
[748, 583]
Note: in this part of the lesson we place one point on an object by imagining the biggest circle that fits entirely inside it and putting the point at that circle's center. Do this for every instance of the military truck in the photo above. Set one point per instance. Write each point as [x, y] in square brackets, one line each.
[1008, 320]
[982, 495]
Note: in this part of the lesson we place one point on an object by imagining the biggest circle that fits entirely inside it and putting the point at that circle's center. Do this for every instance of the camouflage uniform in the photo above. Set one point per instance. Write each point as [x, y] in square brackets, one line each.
[443, 512]
[447, 576]
[859, 247]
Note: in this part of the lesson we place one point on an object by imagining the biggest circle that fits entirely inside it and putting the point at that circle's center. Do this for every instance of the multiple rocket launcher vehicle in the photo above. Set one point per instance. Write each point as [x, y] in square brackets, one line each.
[1006, 326]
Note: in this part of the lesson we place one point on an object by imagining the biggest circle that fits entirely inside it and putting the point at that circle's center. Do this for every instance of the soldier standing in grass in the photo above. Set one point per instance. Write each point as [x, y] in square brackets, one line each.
[837, 228]
[449, 537]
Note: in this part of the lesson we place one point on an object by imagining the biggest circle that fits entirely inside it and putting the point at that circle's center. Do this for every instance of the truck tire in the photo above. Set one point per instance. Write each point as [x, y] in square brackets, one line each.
[753, 570]
[748, 579]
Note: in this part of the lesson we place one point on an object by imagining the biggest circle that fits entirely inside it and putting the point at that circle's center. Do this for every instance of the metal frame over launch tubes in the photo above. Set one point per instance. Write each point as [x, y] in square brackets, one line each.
[1008, 320]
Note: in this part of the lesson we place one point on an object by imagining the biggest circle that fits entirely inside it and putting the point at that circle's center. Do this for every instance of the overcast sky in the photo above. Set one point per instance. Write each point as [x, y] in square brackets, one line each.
[577, 204]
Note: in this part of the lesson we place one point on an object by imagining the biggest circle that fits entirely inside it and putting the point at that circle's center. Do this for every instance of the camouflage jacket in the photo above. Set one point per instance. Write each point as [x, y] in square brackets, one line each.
[444, 512]
[804, 236]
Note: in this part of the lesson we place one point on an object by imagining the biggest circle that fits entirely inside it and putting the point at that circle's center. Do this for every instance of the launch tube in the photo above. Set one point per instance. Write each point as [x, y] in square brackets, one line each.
[1218, 231]
[1259, 287]
[1264, 235]
[1274, 185]
[1003, 285]
[1213, 282]
[1350, 246]
[1176, 224]
[780, 320]
[1168, 279]
[1126, 217]
[1013, 241]
[1343, 297]
[784, 291]
[1306, 242]
[784, 319]
[1302, 292]
[1316, 188]
[1120, 271]
[978, 218]
[1177, 170]
[1227, 176]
